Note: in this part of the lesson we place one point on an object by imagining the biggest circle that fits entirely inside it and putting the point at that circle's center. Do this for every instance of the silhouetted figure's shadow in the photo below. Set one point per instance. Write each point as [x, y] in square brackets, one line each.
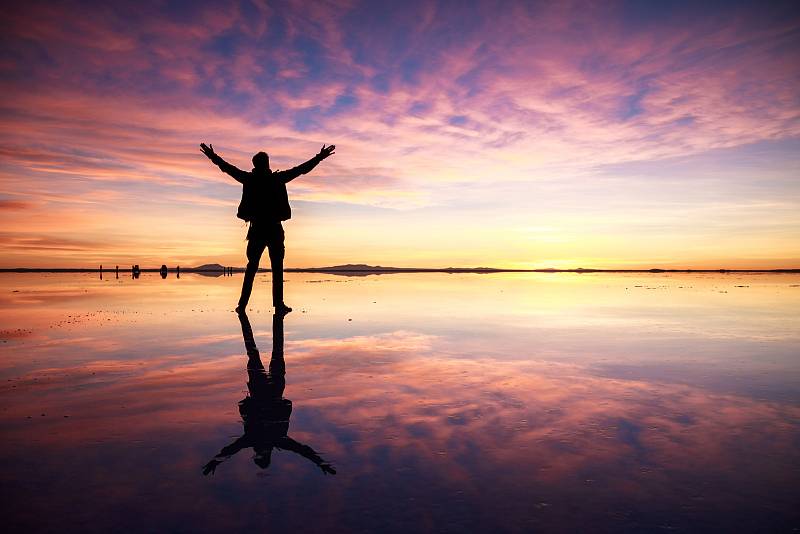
[265, 413]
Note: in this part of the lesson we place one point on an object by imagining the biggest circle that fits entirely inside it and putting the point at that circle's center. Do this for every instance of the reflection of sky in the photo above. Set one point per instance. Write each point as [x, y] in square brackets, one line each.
[444, 402]
[583, 134]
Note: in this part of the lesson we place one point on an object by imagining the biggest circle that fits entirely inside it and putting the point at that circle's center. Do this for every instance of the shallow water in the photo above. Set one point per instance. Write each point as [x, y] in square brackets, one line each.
[446, 403]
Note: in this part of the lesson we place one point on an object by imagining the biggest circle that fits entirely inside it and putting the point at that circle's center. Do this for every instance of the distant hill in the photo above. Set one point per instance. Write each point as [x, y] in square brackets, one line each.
[209, 267]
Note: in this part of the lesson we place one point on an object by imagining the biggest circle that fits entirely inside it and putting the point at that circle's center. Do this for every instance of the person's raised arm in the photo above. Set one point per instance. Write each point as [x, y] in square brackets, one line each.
[236, 173]
[225, 453]
[288, 444]
[308, 166]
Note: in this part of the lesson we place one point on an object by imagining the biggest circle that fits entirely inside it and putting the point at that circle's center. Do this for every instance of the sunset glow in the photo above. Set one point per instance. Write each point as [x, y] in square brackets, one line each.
[503, 134]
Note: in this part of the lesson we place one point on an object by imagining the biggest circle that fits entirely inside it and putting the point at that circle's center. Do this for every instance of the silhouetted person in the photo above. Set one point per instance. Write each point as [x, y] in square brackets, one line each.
[264, 204]
[265, 413]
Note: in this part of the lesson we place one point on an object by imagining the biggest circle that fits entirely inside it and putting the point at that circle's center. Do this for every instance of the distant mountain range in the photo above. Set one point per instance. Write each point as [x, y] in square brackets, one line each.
[353, 267]
[364, 268]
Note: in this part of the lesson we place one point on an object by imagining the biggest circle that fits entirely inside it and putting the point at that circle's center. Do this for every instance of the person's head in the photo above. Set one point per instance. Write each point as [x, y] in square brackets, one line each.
[263, 457]
[261, 161]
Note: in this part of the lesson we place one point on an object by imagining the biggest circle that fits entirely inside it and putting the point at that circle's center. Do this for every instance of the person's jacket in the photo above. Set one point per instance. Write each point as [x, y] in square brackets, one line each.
[264, 196]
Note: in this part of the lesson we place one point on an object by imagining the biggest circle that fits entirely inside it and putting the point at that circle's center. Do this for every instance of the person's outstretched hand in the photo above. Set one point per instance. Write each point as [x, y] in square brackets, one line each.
[326, 151]
[210, 467]
[208, 150]
[327, 469]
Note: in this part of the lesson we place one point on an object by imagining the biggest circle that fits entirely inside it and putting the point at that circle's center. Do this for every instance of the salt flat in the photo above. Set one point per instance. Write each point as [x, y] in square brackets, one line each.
[443, 402]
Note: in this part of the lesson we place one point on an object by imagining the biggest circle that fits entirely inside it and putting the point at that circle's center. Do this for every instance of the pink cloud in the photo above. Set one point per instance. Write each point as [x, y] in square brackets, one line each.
[120, 98]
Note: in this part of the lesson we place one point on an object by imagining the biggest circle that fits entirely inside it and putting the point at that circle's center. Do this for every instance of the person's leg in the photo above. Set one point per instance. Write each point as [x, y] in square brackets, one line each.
[255, 248]
[277, 251]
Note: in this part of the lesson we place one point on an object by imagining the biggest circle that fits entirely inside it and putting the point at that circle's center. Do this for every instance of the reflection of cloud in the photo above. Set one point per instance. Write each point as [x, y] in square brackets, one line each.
[17, 333]
[503, 407]
[389, 405]
[545, 416]
[394, 342]
[205, 340]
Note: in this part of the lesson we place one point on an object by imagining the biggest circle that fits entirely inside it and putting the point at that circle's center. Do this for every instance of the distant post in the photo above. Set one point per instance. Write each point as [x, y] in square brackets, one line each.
[178, 271]
[117, 271]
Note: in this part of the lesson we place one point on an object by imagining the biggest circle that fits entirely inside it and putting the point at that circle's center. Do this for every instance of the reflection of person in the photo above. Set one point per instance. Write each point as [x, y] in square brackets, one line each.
[265, 413]
[264, 205]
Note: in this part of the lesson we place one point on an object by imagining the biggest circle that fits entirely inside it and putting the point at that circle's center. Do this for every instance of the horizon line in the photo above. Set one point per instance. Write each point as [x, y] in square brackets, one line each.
[353, 268]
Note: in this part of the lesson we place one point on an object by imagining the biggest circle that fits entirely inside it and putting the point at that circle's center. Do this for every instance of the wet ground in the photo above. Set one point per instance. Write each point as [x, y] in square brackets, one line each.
[401, 403]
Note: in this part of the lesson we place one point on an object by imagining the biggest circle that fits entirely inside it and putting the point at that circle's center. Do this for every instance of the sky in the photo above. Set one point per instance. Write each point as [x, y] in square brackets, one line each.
[468, 133]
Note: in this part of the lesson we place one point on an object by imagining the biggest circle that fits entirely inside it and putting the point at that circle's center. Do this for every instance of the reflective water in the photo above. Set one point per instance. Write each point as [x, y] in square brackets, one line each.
[427, 402]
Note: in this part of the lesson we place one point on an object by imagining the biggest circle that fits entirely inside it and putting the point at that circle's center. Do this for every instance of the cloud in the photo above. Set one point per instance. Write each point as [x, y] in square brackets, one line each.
[15, 205]
[46, 244]
[420, 97]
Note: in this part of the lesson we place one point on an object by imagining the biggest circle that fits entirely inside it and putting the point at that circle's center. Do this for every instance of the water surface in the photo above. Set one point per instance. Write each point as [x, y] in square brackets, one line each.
[444, 403]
